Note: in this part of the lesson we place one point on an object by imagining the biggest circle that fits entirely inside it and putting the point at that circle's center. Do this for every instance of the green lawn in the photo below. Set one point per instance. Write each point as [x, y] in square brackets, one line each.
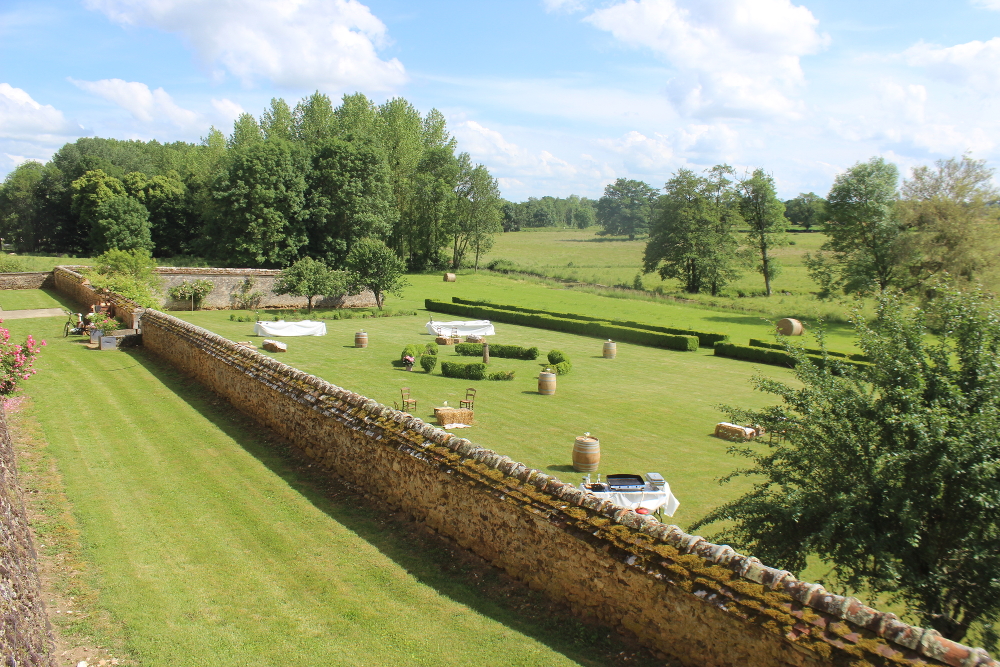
[212, 547]
[31, 298]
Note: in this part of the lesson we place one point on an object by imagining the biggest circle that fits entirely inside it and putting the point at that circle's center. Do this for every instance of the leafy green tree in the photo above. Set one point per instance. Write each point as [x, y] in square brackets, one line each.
[764, 215]
[374, 266]
[131, 273]
[194, 291]
[478, 214]
[866, 238]
[807, 210]
[349, 197]
[399, 128]
[277, 123]
[626, 207]
[952, 214]
[91, 190]
[584, 217]
[435, 207]
[314, 119]
[121, 223]
[887, 472]
[310, 278]
[356, 116]
[20, 206]
[693, 239]
[260, 217]
[246, 132]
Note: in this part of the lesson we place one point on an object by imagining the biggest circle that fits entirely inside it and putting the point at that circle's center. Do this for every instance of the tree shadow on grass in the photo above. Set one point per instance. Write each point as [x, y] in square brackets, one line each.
[429, 557]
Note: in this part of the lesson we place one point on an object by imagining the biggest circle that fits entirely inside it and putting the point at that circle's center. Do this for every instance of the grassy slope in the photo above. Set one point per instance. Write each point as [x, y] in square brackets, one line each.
[210, 549]
[31, 298]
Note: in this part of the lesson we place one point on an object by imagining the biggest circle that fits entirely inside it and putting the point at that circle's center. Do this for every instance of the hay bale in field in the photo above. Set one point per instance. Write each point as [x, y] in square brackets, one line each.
[449, 277]
[275, 346]
[789, 327]
[728, 431]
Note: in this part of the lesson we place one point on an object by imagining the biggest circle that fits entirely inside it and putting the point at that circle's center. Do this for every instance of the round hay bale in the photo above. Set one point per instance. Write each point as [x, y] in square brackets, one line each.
[449, 277]
[789, 327]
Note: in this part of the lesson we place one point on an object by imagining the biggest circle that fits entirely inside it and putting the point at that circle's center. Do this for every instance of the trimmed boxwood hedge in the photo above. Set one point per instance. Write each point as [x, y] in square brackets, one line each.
[768, 355]
[498, 350]
[596, 329]
[705, 338]
[756, 342]
[453, 369]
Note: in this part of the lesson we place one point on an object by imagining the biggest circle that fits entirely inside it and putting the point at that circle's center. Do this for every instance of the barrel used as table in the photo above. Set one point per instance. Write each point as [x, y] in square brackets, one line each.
[610, 349]
[361, 339]
[586, 454]
[546, 383]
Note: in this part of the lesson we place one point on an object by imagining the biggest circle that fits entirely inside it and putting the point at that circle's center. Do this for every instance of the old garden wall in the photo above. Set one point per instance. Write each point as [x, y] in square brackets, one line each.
[25, 634]
[701, 603]
[31, 280]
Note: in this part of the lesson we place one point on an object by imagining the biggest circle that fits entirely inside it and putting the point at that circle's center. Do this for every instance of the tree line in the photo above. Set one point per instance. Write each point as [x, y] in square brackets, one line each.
[705, 229]
[308, 181]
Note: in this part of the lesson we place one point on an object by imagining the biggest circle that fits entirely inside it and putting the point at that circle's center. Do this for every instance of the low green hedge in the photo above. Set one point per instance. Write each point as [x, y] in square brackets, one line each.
[428, 362]
[705, 338]
[453, 369]
[775, 357]
[596, 329]
[500, 375]
[498, 350]
[560, 362]
[756, 342]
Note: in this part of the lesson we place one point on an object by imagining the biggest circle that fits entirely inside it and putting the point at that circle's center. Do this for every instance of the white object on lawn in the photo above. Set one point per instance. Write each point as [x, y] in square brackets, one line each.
[303, 328]
[461, 329]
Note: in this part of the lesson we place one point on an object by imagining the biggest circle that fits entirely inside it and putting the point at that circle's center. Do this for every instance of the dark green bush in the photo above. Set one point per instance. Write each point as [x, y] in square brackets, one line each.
[768, 355]
[415, 350]
[756, 342]
[428, 362]
[705, 338]
[500, 375]
[498, 350]
[431, 348]
[560, 362]
[595, 329]
[454, 369]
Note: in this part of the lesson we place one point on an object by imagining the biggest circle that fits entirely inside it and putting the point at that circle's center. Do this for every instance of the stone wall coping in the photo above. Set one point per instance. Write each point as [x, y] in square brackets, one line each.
[925, 642]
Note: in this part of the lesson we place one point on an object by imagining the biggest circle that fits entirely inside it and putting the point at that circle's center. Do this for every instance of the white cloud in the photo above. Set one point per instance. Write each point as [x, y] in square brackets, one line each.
[145, 105]
[490, 147]
[975, 63]
[22, 118]
[563, 5]
[325, 44]
[227, 109]
[987, 4]
[733, 57]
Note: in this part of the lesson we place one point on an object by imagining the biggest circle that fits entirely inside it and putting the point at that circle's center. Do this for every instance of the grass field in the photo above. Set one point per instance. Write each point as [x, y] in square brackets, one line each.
[31, 298]
[209, 545]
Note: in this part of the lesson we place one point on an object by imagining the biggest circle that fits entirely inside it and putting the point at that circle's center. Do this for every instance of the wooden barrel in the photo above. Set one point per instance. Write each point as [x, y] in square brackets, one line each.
[789, 327]
[361, 339]
[586, 454]
[546, 383]
[610, 350]
[449, 277]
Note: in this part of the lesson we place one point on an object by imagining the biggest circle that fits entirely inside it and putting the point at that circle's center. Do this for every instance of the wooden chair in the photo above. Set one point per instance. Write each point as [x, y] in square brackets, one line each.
[407, 401]
[470, 399]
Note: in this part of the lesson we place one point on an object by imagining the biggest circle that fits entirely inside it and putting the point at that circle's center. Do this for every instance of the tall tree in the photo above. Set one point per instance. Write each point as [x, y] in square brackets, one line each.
[951, 210]
[246, 131]
[20, 206]
[887, 472]
[349, 197]
[310, 278]
[693, 238]
[477, 218]
[400, 131]
[277, 123]
[314, 119]
[626, 207]
[356, 116]
[261, 218]
[120, 223]
[865, 235]
[435, 206]
[764, 215]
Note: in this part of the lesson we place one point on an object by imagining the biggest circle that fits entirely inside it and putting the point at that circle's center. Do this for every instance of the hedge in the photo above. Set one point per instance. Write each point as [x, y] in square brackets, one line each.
[705, 338]
[452, 369]
[768, 355]
[595, 329]
[560, 362]
[428, 362]
[498, 350]
[756, 342]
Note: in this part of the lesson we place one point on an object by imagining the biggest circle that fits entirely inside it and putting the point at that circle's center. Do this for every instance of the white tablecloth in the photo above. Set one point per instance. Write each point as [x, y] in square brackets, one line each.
[472, 328]
[650, 498]
[303, 328]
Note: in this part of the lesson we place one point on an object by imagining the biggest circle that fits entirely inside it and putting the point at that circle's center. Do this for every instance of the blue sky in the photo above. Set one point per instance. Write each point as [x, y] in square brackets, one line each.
[556, 97]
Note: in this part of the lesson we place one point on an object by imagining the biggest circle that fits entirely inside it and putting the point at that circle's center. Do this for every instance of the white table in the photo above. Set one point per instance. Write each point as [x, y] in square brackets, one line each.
[650, 497]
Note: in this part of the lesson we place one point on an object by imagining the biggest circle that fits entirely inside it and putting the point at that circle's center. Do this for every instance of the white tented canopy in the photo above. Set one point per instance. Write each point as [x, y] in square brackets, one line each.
[472, 328]
[303, 328]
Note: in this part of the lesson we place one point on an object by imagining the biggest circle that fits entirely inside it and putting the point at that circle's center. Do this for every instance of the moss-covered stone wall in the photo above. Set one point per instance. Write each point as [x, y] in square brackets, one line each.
[684, 597]
[25, 634]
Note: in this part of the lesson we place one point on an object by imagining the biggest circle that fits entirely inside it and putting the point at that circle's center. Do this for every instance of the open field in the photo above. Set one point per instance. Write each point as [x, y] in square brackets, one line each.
[211, 546]
[31, 298]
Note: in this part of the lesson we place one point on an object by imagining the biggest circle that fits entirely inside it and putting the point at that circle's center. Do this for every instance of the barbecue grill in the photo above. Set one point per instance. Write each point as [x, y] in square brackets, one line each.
[626, 483]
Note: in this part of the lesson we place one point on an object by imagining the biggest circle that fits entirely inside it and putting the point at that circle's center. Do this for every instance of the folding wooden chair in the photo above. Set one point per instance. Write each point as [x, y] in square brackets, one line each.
[469, 400]
[407, 401]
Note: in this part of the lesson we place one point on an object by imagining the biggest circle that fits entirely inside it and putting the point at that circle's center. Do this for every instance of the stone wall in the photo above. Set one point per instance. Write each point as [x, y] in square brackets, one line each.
[228, 281]
[684, 597]
[25, 634]
[34, 280]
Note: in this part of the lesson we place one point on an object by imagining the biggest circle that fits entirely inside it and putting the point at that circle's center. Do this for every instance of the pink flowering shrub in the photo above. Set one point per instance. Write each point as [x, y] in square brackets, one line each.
[16, 361]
